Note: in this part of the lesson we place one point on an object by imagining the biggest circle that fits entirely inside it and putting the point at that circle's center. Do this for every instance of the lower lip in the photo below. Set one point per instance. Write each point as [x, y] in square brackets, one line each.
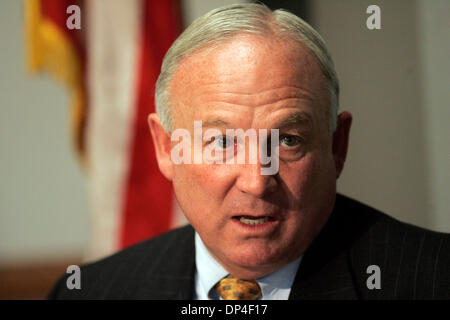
[255, 229]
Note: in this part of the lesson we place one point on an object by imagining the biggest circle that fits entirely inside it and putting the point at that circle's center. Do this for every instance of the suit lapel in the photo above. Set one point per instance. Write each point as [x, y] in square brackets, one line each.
[323, 279]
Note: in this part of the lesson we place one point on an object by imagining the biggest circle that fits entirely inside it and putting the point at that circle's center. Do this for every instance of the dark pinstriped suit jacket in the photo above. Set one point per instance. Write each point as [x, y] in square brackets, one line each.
[414, 263]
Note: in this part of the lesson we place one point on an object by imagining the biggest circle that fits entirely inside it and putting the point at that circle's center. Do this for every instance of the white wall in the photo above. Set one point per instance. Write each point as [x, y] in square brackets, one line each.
[192, 9]
[434, 50]
[392, 80]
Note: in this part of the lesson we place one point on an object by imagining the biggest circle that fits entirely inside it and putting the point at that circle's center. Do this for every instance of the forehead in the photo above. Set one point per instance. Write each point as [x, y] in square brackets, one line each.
[244, 73]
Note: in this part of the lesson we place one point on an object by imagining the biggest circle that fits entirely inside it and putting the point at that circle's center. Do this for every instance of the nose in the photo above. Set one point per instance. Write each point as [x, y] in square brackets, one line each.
[252, 182]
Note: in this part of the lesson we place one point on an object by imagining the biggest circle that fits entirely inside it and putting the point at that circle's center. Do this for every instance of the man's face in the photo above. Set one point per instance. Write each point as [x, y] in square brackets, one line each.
[252, 82]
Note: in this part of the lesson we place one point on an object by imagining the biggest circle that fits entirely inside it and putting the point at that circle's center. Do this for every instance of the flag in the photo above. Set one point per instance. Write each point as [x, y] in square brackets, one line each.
[110, 66]
[52, 46]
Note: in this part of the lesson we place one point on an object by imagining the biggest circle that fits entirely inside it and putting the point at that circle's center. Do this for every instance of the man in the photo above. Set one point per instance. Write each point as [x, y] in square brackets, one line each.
[282, 235]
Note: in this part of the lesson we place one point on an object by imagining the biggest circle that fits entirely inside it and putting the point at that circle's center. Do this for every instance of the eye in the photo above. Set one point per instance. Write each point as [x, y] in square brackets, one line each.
[289, 141]
[222, 142]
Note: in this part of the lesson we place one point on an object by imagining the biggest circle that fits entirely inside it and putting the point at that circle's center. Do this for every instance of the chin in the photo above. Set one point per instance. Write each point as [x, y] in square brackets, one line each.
[258, 257]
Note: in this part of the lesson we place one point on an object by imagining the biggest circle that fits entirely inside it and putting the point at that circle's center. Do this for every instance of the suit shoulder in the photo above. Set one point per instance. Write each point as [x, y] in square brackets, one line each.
[154, 247]
[108, 277]
[413, 261]
[379, 223]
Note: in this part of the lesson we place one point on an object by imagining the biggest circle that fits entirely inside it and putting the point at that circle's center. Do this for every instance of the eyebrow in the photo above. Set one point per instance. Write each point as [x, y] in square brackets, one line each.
[297, 119]
[216, 123]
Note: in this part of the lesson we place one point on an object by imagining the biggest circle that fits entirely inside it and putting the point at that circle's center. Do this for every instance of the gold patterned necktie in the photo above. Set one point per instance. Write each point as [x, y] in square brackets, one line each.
[231, 288]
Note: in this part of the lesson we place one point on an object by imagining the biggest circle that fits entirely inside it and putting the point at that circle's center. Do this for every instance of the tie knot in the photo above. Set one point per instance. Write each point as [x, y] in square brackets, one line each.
[231, 288]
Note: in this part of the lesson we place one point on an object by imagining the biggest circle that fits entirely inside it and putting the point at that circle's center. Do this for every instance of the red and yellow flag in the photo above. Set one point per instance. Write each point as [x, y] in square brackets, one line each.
[110, 66]
[55, 48]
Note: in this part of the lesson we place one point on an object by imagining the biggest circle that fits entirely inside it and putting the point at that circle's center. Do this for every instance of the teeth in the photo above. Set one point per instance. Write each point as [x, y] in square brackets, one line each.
[254, 221]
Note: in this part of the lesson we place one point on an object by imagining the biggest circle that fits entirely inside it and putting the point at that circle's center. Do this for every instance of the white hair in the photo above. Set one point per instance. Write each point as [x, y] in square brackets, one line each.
[222, 24]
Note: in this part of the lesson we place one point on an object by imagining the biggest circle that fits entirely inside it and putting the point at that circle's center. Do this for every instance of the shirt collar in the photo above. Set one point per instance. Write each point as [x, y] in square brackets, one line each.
[209, 272]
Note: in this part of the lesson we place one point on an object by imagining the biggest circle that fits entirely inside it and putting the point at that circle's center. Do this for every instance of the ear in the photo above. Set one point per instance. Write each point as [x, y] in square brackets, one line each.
[161, 140]
[340, 140]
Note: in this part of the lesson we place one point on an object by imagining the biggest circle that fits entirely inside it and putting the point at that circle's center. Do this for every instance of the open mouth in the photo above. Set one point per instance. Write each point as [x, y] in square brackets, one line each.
[248, 220]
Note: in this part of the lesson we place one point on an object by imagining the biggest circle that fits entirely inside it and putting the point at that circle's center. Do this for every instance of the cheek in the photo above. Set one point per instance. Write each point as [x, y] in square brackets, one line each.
[309, 178]
[200, 189]
[312, 190]
[211, 180]
[298, 175]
